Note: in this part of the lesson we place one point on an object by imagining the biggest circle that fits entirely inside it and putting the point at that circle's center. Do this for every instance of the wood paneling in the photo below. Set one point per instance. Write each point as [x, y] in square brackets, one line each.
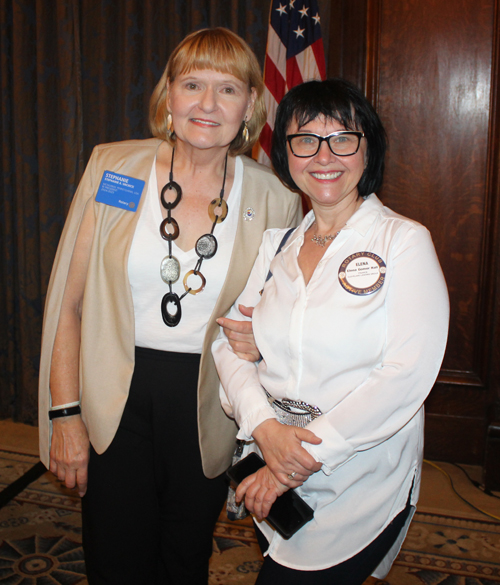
[492, 457]
[347, 40]
[431, 69]
[432, 85]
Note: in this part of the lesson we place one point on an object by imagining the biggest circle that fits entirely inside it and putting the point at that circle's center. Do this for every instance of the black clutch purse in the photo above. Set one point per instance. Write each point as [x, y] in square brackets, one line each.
[288, 513]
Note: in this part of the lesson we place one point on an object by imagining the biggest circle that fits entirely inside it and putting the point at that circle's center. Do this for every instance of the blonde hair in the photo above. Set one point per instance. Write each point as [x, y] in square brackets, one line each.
[223, 51]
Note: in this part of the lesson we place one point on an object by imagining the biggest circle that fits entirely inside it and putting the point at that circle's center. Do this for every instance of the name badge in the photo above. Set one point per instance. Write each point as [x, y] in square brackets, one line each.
[120, 191]
[362, 273]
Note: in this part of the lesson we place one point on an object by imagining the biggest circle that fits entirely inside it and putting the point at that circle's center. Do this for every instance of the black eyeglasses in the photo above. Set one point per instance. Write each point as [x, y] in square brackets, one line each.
[342, 143]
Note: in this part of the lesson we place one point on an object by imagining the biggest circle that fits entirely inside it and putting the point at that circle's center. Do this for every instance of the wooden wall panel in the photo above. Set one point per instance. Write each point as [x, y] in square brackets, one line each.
[434, 101]
[347, 40]
[429, 74]
[491, 474]
[432, 70]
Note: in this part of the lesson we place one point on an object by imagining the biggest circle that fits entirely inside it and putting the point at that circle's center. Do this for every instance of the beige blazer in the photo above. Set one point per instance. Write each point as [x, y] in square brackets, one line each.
[107, 334]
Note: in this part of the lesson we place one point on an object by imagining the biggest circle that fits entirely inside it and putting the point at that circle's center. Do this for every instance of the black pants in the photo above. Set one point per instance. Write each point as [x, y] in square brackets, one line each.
[354, 571]
[149, 512]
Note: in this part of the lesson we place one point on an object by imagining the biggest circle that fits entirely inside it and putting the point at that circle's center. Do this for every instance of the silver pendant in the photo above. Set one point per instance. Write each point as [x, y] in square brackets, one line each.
[206, 246]
[170, 269]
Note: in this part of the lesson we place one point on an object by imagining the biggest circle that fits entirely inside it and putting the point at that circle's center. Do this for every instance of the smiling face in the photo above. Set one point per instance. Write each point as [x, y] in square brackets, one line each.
[329, 180]
[208, 107]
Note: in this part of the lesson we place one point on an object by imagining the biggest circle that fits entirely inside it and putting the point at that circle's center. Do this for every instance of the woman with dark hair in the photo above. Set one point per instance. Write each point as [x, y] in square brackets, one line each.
[129, 404]
[352, 328]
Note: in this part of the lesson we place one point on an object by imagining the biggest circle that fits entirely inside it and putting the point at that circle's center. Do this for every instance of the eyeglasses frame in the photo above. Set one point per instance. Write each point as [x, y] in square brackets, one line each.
[290, 137]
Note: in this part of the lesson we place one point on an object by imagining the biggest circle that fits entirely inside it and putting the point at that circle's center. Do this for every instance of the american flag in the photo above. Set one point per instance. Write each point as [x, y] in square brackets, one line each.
[294, 54]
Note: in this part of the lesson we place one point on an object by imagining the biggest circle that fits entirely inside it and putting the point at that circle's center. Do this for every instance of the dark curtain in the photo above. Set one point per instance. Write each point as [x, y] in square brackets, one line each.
[74, 73]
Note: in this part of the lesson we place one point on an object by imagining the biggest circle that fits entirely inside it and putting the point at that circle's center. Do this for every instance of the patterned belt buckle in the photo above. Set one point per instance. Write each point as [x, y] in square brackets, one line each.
[286, 414]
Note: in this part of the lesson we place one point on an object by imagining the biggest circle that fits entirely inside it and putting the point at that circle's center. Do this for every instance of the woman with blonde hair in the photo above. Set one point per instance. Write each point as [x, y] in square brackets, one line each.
[159, 242]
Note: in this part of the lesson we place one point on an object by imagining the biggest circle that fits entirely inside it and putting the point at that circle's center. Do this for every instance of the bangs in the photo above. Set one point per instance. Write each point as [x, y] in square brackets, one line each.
[211, 51]
[331, 102]
[343, 115]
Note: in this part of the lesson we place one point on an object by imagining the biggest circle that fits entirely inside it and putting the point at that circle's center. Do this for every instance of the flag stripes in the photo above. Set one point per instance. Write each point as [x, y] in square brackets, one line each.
[294, 54]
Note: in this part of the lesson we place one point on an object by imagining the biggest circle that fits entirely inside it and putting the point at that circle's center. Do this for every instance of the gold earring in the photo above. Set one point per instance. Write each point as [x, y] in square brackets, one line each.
[246, 135]
[170, 125]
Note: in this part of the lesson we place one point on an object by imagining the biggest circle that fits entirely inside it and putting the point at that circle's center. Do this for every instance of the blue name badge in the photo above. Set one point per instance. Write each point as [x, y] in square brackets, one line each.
[120, 191]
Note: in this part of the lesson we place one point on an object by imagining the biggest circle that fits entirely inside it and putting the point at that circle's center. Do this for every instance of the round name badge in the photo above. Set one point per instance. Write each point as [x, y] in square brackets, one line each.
[362, 273]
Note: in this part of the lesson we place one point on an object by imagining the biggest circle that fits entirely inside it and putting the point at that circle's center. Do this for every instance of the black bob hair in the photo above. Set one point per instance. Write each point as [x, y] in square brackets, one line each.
[336, 99]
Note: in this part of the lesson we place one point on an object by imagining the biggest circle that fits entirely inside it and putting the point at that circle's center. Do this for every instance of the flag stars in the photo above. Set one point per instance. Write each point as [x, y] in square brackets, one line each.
[281, 9]
[316, 18]
[299, 32]
[304, 11]
[291, 4]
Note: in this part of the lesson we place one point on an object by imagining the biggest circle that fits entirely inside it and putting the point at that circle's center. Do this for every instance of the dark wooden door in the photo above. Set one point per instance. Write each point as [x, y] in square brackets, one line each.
[431, 69]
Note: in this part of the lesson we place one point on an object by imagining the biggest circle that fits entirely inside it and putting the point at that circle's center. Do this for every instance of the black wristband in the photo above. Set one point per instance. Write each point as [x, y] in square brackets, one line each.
[64, 412]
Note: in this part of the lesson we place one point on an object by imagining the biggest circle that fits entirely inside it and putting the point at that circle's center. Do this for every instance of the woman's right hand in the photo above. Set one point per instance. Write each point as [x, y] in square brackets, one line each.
[260, 490]
[69, 448]
[240, 335]
[69, 452]
[281, 447]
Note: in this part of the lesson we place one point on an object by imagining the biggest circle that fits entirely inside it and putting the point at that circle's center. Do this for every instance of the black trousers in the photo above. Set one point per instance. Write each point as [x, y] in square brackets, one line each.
[149, 512]
[353, 571]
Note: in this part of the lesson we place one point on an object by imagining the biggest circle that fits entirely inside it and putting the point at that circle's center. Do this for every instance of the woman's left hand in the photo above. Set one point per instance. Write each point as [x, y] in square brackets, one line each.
[260, 490]
[281, 447]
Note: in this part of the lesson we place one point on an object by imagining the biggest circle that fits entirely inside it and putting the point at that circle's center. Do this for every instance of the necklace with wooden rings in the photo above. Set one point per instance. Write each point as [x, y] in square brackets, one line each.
[206, 247]
[165, 234]
[171, 186]
[223, 210]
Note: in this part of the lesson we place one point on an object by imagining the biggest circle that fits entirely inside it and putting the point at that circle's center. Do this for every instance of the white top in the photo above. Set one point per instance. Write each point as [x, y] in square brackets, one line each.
[367, 360]
[148, 250]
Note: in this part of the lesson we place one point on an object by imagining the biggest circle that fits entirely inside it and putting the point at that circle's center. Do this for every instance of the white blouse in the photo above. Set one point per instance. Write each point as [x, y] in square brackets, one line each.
[148, 250]
[366, 350]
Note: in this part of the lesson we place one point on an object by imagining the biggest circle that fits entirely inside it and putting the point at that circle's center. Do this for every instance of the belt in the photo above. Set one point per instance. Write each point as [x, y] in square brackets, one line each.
[293, 412]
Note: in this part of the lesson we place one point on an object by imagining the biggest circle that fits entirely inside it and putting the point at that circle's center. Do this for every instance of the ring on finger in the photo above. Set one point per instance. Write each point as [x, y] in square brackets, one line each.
[292, 475]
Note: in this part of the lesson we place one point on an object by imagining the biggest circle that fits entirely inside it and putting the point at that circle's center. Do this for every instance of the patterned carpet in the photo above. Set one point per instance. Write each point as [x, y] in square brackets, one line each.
[40, 542]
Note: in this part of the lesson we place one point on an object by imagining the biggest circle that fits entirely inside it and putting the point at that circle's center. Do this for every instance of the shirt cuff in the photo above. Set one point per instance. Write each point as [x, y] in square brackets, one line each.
[333, 451]
[255, 414]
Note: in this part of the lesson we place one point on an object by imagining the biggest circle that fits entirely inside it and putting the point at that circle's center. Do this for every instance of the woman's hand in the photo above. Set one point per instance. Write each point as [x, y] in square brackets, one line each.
[240, 335]
[283, 452]
[69, 448]
[69, 452]
[260, 491]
